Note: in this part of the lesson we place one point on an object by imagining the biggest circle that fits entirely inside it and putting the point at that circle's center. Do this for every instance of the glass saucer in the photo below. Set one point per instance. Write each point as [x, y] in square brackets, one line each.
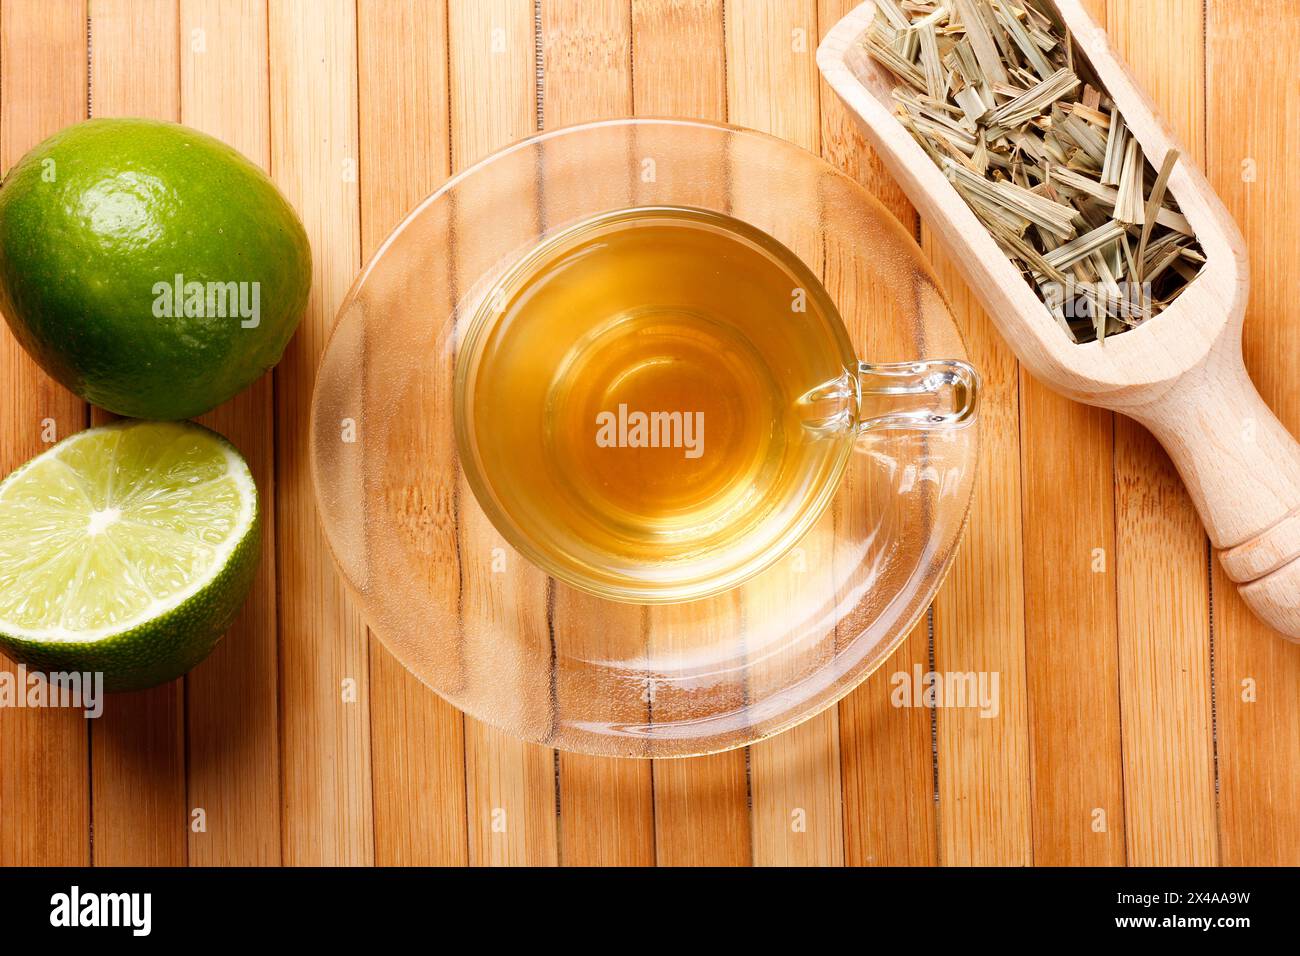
[490, 631]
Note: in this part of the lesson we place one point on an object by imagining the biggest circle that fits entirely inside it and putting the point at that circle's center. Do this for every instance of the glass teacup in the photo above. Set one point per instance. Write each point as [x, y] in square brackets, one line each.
[657, 403]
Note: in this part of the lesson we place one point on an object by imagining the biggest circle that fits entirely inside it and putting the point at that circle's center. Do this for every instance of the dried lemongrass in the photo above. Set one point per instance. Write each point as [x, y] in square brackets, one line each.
[996, 93]
[1032, 103]
[1156, 198]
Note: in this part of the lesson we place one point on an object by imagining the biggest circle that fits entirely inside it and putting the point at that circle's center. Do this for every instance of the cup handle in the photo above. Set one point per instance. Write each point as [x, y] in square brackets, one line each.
[928, 394]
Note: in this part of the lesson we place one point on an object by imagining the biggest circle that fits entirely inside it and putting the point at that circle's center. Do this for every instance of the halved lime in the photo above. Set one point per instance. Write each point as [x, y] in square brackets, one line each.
[126, 549]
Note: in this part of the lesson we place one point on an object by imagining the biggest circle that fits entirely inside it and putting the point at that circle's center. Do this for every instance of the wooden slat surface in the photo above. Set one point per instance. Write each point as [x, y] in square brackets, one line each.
[1143, 716]
[607, 804]
[1249, 136]
[234, 739]
[417, 739]
[1160, 566]
[44, 754]
[886, 764]
[324, 673]
[984, 782]
[138, 747]
[1068, 507]
[701, 807]
[773, 86]
[511, 784]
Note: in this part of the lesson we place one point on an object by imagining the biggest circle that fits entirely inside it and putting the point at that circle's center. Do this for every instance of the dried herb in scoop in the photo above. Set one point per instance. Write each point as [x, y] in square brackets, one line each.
[998, 95]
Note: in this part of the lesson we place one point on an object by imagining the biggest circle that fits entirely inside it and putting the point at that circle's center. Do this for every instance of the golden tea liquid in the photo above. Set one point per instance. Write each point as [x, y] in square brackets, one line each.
[629, 409]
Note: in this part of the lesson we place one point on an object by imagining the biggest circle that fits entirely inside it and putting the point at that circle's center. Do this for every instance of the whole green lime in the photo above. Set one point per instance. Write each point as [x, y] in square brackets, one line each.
[150, 268]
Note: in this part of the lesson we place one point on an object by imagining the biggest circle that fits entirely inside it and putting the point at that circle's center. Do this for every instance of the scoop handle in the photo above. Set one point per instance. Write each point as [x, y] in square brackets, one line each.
[1242, 468]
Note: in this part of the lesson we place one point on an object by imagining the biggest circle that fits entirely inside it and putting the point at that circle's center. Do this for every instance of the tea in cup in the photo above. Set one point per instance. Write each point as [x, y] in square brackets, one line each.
[657, 403]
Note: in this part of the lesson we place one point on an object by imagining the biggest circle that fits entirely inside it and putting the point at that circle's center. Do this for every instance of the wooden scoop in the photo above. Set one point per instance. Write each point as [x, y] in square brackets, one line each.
[1180, 374]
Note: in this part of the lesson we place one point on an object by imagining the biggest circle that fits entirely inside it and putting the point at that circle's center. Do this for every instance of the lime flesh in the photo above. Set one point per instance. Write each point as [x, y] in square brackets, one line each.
[126, 549]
